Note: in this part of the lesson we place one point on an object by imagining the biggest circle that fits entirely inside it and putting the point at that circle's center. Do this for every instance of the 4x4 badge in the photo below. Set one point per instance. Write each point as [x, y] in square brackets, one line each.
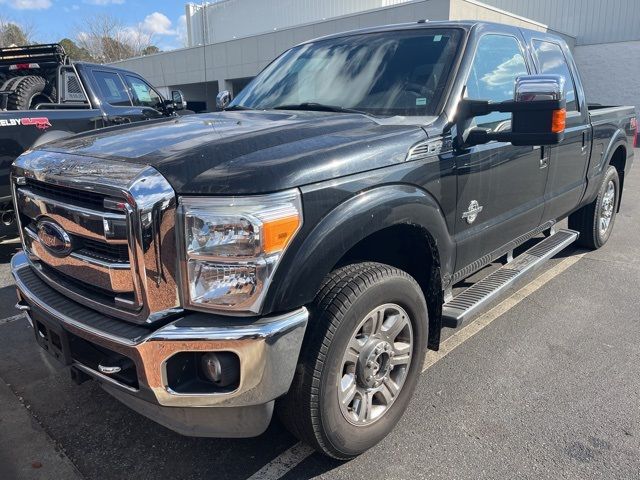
[472, 212]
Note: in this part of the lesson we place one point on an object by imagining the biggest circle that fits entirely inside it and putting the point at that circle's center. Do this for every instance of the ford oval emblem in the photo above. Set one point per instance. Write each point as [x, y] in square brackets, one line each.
[53, 238]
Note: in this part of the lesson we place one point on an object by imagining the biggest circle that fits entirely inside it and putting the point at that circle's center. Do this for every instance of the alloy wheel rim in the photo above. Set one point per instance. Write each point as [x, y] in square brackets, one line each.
[607, 208]
[375, 364]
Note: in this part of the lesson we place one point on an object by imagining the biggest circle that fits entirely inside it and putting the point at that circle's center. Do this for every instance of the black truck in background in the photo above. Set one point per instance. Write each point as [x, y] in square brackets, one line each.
[44, 96]
[299, 250]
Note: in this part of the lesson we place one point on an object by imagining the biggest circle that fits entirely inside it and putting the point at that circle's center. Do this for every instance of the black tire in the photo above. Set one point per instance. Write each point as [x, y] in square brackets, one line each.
[311, 409]
[8, 85]
[29, 91]
[587, 219]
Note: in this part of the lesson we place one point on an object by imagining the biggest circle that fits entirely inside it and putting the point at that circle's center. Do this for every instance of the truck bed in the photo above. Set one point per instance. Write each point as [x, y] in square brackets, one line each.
[606, 120]
[598, 111]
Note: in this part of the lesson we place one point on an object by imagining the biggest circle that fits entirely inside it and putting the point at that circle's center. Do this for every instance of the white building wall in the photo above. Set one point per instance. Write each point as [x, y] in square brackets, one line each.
[611, 72]
[476, 10]
[225, 20]
[590, 21]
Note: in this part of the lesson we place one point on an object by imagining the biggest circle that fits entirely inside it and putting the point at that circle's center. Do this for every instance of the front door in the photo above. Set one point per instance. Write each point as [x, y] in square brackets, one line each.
[500, 187]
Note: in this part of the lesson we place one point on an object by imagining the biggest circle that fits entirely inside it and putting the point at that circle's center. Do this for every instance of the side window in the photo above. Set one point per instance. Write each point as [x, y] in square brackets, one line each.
[143, 94]
[552, 60]
[112, 89]
[497, 64]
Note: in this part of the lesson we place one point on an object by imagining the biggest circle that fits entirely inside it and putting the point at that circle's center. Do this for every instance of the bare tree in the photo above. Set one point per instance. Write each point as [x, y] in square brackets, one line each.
[108, 40]
[12, 33]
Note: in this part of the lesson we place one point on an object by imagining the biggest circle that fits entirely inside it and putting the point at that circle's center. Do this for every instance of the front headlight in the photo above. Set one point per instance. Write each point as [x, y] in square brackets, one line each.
[232, 247]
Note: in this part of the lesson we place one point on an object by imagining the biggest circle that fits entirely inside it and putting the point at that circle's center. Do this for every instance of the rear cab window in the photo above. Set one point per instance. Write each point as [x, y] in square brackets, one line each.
[552, 60]
[112, 89]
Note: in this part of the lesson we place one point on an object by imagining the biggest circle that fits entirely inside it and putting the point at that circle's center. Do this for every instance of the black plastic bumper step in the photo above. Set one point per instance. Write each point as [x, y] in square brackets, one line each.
[462, 306]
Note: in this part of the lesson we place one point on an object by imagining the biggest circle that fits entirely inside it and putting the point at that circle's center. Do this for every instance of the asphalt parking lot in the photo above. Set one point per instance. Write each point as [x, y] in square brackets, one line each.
[543, 385]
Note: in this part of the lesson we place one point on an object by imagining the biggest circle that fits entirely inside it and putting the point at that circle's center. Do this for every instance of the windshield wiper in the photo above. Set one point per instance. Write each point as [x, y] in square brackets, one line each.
[318, 107]
[237, 107]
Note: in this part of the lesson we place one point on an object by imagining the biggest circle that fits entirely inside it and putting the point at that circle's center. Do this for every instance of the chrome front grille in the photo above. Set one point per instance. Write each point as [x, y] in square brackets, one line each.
[76, 197]
[117, 218]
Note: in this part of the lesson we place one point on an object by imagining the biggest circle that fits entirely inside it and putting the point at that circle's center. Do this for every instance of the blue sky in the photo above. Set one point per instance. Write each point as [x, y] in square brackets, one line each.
[56, 19]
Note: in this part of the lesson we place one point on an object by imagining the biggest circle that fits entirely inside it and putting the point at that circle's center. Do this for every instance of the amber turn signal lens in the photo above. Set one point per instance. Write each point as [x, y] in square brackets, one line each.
[277, 233]
[559, 121]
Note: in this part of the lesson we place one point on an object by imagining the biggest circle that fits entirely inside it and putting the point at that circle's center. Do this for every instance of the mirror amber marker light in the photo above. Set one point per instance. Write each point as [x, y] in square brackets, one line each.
[559, 120]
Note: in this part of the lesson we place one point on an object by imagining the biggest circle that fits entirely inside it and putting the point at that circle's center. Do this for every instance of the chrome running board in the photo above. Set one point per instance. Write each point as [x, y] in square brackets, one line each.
[462, 306]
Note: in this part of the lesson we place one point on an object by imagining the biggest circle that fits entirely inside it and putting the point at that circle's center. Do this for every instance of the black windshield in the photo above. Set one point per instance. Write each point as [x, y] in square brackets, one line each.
[384, 74]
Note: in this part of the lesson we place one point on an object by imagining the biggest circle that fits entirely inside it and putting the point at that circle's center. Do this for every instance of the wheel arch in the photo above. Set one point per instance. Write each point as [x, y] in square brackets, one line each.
[610, 156]
[361, 229]
[618, 159]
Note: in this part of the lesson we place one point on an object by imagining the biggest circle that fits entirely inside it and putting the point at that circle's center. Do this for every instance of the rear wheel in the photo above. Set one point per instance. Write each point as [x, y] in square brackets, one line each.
[595, 221]
[360, 362]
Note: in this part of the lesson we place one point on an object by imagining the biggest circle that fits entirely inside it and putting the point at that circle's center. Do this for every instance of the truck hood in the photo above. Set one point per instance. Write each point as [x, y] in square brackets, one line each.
[251, 151]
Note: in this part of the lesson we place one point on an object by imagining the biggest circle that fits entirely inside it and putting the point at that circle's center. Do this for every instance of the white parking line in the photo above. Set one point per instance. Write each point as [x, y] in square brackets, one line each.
[11, 319]
[292, 457]
[461, 336]
[283, 463]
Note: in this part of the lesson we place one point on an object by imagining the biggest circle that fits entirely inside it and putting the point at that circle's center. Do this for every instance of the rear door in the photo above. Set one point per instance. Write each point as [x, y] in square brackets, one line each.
[568, 161]
[500, 187]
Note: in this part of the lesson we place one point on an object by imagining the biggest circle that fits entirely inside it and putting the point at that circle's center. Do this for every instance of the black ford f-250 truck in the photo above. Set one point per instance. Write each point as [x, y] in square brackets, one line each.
[299, 249]
[44, 96]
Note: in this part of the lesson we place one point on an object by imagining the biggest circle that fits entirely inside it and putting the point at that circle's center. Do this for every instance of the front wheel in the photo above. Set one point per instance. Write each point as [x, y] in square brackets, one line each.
[595, 221]
[361, 359]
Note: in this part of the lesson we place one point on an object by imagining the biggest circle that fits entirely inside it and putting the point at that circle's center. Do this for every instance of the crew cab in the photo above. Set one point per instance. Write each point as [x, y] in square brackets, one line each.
[44, 96]
[299, 249]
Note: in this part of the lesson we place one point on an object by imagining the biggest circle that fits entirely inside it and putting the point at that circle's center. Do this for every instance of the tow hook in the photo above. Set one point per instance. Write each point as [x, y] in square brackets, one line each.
[114, 366]
[23, 307]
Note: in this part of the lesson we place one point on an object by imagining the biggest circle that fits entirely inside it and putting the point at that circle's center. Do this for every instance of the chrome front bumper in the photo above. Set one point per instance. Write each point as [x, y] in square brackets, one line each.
[268, 350]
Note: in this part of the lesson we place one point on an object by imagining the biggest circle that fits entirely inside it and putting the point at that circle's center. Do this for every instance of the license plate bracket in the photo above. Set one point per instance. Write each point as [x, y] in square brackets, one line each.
[53, 339]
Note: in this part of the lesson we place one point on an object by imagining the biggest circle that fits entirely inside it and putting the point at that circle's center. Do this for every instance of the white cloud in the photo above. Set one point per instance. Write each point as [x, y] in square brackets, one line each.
[104, 2]
[135, 36]
[27, 4]
[157, 23]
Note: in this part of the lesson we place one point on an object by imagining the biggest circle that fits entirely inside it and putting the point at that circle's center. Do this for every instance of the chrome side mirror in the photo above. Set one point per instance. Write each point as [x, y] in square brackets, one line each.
[179, 102]
[538, 114]
[223, 99]
[536, 88]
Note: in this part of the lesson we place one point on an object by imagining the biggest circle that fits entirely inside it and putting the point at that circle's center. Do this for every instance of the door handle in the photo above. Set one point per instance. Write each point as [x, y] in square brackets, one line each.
[584, 142]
